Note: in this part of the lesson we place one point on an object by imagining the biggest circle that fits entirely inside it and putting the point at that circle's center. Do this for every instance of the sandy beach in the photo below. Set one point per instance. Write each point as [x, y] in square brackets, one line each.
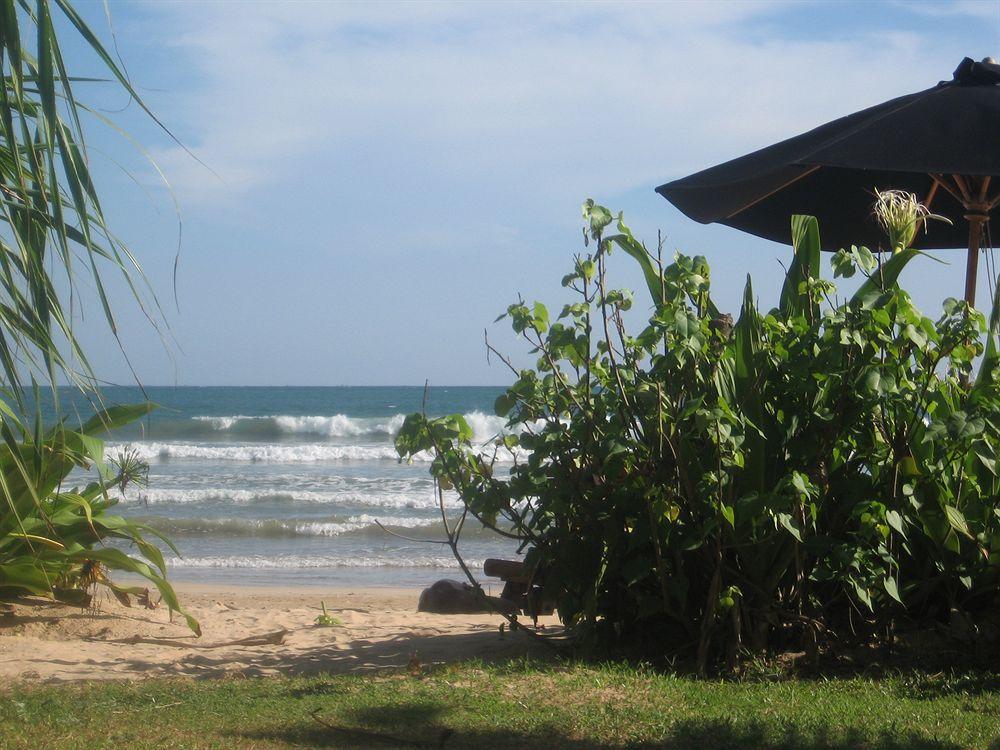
[379, 629]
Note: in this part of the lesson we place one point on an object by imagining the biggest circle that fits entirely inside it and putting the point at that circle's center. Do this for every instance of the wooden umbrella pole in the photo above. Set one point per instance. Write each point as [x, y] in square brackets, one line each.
[972, 261]
[977, 212]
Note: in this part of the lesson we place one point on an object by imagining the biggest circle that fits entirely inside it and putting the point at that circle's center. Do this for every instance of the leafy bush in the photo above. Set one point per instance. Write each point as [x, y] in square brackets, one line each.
[704, 488]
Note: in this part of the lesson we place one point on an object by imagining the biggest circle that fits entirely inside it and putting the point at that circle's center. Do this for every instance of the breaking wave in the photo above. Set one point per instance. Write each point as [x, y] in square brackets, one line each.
[249, 527]
[265, 452]
[338, 425]
[288, 427]
[261, 562]
[154, 452]
[209, 496]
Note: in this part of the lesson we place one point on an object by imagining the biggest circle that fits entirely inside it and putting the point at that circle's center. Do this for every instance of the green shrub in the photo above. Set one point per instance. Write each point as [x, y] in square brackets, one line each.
[704, 488]
[53, 539]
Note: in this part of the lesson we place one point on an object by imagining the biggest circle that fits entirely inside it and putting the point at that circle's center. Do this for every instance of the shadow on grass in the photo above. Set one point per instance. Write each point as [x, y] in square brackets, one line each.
[327, 689]
[948, 684]
[421, 725]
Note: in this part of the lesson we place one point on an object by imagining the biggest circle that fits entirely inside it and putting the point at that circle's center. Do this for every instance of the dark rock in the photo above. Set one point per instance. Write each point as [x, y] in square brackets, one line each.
[448, 597]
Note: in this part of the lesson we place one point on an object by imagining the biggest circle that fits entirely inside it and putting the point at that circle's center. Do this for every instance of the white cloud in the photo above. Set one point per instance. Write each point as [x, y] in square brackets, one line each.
[545, 98]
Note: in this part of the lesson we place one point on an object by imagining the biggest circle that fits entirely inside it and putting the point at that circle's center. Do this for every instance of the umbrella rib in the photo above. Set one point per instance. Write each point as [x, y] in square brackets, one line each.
[931, 193]
[939, 179]
[778, 189]
[966, 194]
[984, 188]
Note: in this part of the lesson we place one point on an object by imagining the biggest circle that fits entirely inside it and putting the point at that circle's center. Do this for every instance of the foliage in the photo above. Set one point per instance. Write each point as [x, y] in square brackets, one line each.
[52, 540]
[819, 473]
[53, 236]
[326, 620]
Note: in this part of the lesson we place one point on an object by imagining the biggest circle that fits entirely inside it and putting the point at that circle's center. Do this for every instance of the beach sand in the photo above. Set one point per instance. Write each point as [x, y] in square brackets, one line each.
[381, 629]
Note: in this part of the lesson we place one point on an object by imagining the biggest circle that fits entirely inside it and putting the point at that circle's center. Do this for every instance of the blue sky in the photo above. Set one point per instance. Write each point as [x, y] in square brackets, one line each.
[386, 178]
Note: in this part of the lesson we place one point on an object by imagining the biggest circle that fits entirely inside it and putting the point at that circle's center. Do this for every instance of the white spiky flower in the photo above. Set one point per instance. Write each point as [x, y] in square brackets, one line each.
[901, 215]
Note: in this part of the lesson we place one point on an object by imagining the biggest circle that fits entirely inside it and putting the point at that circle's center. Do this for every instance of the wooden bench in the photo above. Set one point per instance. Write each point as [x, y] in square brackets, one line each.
[519, 588]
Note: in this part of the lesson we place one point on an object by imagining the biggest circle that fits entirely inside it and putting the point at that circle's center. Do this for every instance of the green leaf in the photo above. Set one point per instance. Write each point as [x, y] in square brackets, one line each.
[649, 270]
[115, 417]
[805, 266]
[843, 264]
[957, 521]
[799, 483]
[991, 357]
[24, 573]
[540, 315]
[895, 520]
[785, 519]
[684, 323]
[598, 217]
[862, 594]
[871, 381]
[504, 404]
[883, 278]
[915, 336]
[987, 458]
[908, 467]
[892, 589]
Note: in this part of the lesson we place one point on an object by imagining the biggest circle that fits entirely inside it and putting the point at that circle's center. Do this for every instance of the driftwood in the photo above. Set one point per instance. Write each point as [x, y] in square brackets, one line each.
[267, 639]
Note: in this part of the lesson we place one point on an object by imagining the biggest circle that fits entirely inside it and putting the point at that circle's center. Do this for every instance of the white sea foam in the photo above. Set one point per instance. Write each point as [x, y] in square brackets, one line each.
[291, 562]
[251, 527]
[484, 426]
[152, 452]
[221, 495]
[363, 521]
[279, 479]
[265, 452]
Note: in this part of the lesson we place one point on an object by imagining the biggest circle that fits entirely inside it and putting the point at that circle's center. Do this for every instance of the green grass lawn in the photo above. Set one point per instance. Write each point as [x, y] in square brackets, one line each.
[513, 706]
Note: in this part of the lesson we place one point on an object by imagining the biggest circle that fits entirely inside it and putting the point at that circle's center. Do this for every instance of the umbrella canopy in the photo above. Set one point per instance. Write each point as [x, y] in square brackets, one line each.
[942, 144]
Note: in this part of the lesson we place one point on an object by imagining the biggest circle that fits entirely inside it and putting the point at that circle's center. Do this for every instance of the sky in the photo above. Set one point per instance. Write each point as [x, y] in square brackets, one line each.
[363, 188]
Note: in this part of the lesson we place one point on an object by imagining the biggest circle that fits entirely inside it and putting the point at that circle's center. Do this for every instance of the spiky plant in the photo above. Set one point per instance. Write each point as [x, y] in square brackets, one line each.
[129, 468]
[54, 235]
[901, 215]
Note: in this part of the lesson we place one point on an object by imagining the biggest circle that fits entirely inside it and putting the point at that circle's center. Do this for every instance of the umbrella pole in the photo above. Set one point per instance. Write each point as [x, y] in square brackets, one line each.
[972, 261]
[977, 212]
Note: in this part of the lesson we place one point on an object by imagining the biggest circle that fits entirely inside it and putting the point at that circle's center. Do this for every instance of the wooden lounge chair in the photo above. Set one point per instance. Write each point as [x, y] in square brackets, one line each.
[520, 586]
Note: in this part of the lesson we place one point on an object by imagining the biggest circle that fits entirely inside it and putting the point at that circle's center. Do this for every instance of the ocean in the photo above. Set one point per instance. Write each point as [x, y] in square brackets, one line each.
[275, 485]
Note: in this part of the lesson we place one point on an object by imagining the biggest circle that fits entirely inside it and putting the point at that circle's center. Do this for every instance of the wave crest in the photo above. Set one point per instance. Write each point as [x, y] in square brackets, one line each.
[362, 525]
[220, 496]
[484, 426]
[284, 562]
[265, 452]
[152, 452]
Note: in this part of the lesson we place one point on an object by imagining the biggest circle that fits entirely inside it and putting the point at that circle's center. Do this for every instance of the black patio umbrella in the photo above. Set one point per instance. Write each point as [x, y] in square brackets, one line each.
[942, 144]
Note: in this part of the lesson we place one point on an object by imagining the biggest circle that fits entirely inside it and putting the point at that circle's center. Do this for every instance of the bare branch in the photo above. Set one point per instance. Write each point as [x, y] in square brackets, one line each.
[409, 538]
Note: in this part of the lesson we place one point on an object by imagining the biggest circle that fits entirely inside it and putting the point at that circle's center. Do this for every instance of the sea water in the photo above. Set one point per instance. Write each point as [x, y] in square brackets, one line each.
[272, 485]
